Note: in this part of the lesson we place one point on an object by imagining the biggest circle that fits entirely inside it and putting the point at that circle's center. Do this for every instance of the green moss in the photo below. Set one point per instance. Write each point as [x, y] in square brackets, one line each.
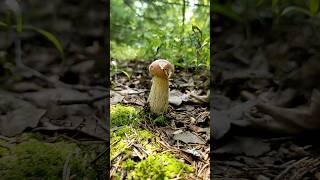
[156, 166]
[123, 115]
[37, 160]
[121, 137]
[3, 149]
[159, 166]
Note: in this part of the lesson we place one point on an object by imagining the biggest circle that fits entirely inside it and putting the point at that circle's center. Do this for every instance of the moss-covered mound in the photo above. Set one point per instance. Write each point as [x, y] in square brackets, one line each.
[34, 159]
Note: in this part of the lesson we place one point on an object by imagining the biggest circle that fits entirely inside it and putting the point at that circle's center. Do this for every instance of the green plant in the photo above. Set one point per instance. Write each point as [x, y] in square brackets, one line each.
[19, 26]
[157, 29]
[114, 70]
[161, 120]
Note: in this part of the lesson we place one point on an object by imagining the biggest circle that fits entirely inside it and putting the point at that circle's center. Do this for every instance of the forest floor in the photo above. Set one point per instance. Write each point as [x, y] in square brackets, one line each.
[52, 121]
[185, 132]
[276, 65]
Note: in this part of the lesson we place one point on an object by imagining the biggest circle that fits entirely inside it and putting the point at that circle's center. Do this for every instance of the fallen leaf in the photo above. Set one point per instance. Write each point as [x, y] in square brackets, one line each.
[176, 97]
[17, 115]
[128, 92]
[115, 97]
[244, 145]
[46, 97]
[221, 120]
[194, 152]
[188, 137]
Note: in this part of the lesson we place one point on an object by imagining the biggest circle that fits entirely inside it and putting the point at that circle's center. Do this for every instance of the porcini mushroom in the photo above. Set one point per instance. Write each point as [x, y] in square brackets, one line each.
[161, 70]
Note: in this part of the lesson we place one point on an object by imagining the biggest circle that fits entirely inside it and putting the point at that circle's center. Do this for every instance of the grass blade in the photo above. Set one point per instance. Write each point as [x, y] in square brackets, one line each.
[52, 38]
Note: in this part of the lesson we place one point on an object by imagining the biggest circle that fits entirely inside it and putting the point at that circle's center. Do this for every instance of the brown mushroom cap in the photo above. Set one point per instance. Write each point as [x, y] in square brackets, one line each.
[161, 68]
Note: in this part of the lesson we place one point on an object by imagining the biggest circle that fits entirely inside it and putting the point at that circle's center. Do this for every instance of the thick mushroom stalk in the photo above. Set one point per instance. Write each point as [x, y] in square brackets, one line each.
[161, 70]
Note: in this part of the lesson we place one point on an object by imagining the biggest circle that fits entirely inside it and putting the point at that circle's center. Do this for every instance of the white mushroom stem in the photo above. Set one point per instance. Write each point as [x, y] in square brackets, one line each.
[159, 95]
[161, 70]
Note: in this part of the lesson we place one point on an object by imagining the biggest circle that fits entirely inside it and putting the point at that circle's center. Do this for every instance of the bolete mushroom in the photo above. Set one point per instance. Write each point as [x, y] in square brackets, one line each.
[161, 70]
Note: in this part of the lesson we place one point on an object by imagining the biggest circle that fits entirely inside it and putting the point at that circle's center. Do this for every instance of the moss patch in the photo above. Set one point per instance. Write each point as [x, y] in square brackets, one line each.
[123, 115]
[155, 165]
[121, 137]
[159, 166]
[34, 159]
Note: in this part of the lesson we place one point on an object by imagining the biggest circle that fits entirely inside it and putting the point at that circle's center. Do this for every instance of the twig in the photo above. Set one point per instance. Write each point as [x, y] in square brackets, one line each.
[128, 145]
[280, 176]
[66, 168]
[67, 129]
[98, 157]
[312, 165]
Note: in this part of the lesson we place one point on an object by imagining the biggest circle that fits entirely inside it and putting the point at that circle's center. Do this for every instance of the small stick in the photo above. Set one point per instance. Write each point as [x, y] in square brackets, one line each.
[280, 176]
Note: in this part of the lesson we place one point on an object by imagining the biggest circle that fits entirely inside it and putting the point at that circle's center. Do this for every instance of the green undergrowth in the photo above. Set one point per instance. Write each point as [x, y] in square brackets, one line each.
[127, 138]
[32, 158]
[125, 52]
[161, 120]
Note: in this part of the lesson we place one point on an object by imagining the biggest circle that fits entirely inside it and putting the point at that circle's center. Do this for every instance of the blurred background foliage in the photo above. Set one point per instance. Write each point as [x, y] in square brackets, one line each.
[277, 11]
[177, 30]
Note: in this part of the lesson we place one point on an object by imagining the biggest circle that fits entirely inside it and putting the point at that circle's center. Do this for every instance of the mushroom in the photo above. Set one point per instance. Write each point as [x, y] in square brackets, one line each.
[161, 70]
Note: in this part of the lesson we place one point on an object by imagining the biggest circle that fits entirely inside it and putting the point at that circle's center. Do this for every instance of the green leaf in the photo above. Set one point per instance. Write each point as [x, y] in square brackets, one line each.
[126, 73]
[296, 9]
[314, 7]
[52, 38]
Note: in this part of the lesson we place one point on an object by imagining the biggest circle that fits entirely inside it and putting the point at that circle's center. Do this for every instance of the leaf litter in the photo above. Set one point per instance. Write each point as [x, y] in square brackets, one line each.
[265, 96]
[186, 135]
